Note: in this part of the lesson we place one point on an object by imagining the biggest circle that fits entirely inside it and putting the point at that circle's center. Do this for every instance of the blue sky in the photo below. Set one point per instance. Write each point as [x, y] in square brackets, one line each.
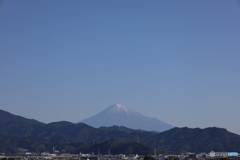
[174, 60]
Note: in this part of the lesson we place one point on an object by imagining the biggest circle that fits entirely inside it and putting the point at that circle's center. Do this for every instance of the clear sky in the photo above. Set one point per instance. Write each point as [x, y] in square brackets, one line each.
[178, 61]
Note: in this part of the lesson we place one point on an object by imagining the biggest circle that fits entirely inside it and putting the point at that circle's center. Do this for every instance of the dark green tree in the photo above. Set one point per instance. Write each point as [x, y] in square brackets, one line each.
[148, 158]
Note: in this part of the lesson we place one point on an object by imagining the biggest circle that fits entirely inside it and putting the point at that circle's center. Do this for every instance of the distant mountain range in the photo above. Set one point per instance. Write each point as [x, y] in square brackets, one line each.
[120, 115]
[18, 132]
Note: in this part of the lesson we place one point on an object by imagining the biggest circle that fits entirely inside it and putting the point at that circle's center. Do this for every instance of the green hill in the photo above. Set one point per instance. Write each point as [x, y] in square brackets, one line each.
[39, 137]
[6, 117]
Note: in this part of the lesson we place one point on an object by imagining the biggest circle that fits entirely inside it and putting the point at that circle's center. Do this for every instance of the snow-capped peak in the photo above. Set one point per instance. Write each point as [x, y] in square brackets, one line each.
[119, 108]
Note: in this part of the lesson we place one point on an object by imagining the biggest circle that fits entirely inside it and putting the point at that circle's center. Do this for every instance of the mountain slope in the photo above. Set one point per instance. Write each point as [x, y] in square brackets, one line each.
[196, 140]
[26, 134]
[6, 117]
[119, 146]
[122, 116]
[176, 140]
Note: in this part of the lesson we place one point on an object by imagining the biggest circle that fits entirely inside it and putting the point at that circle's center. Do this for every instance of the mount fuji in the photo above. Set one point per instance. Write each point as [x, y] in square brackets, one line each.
[120, 115]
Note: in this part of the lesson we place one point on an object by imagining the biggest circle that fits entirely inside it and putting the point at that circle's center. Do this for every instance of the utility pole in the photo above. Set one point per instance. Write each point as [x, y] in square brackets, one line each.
[109, 147]
[137, 139]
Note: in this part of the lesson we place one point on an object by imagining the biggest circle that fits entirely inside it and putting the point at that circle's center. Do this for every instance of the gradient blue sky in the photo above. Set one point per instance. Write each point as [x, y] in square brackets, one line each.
[178, 61]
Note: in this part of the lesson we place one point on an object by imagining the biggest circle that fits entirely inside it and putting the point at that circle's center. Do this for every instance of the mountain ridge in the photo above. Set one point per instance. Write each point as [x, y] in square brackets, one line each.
[57, 133]
[6, 117]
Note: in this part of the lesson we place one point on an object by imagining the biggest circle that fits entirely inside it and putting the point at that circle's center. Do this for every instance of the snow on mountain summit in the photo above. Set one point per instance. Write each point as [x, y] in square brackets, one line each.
[119, 108]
